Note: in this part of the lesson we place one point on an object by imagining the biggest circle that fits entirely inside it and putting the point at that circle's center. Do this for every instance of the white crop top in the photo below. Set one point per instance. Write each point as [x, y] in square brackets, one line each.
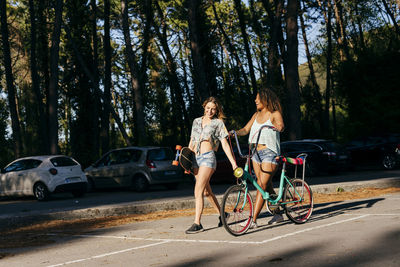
[268, 137]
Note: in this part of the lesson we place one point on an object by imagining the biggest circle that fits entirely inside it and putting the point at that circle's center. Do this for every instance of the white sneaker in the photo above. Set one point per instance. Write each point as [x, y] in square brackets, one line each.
[276, 219]
[253, 225]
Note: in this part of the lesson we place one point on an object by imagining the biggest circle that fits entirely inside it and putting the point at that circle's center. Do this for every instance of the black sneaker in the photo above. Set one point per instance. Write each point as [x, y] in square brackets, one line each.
[226, 217]
[195, 228]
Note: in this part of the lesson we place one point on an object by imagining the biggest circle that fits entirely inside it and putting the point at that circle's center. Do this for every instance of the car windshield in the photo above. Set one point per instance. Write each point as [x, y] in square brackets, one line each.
[331, 146]
[119, 157]
[22, 165]
[62, 162]
[160, 154]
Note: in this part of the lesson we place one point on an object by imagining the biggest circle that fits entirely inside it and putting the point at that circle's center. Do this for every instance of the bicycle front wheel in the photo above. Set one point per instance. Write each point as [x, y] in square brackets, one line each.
[237, 205]
[299, 201]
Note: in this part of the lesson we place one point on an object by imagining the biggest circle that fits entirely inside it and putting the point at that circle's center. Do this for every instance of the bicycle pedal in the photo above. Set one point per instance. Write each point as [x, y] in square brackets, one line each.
[274, 208]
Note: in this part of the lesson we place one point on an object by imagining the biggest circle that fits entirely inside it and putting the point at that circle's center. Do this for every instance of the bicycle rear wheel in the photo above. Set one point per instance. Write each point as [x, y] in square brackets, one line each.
[238, 207]
[299, 196]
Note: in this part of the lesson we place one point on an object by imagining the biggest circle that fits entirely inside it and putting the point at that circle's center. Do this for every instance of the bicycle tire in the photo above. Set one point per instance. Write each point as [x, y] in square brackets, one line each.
[240, 213]
[299, 211]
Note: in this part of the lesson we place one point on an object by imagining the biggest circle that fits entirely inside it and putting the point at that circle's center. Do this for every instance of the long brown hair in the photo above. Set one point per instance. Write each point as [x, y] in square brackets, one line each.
[270, 100]
[220, 113]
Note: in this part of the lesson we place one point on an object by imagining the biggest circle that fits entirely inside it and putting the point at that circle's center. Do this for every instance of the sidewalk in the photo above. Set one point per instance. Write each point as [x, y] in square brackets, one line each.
[183, 200]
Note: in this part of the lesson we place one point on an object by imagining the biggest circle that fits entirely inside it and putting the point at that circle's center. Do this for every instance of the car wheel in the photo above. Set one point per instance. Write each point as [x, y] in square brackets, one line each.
[140, 183]
[91, 186]
[41, 192]
[388, 161]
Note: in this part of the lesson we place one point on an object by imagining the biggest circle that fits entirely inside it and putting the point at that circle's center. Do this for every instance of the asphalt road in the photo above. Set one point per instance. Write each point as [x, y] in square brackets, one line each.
[362, 232]
[107, 202]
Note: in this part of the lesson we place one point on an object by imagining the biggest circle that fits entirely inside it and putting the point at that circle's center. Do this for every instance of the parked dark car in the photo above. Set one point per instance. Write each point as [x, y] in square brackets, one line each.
[323, 155]
[136, 168]
[375, 151]
[224, 172]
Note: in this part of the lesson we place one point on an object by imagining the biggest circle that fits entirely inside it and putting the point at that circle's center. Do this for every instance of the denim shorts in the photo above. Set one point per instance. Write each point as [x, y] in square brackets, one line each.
[207, 159]
[265, 155]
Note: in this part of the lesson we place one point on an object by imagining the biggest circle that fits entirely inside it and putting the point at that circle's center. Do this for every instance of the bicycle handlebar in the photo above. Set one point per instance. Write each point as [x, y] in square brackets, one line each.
[258, 138]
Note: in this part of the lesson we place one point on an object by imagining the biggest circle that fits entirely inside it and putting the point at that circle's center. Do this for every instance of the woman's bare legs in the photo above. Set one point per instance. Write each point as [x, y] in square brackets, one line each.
[211, 197]
[203, 176]
[264, 173]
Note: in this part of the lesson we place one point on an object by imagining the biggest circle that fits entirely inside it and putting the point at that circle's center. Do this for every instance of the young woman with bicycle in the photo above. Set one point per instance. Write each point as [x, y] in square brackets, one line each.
[269, 112]
[207, 132]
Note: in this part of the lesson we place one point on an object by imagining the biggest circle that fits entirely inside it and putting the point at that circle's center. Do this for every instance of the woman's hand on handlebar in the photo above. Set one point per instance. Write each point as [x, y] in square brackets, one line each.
[234, 166]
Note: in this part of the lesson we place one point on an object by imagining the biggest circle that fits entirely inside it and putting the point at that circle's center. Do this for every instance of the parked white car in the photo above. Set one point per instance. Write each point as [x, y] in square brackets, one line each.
[41, 176]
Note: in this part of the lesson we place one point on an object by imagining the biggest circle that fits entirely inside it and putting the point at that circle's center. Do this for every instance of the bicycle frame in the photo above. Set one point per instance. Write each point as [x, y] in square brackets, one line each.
[283, 178]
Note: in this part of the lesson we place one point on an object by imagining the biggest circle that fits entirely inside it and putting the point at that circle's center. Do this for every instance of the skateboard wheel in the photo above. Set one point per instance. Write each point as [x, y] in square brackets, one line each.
[175, 163]
[178, 147]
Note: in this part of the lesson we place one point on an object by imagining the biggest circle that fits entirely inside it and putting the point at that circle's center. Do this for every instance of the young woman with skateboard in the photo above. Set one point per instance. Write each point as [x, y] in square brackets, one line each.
[207, 133]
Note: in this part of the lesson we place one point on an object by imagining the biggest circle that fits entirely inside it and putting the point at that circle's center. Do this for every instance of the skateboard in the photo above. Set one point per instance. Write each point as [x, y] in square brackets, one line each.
[184, 157]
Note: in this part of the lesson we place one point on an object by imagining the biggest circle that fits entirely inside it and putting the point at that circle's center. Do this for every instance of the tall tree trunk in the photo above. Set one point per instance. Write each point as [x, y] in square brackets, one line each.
[392, 17]
[232, 50]
[15, 126]
[360, 28]
[184, 54]
[328, 71]
[89, 73]
[292, 77]
[316, 93]
[43, 58]
[43, 145]
[147, 35]
[105, 117]
[134, 69]
[53, 86]
[274, 74]
[176, 89]
[203, 79]
[96, 75]
[325, 13]
[258, 30]
[342, 40]
[242, 22]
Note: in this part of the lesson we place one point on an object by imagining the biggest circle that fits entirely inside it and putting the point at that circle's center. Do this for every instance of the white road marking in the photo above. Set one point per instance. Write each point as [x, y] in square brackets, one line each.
[108, 254]
[312, 228]
[224, 241]
[161, 241]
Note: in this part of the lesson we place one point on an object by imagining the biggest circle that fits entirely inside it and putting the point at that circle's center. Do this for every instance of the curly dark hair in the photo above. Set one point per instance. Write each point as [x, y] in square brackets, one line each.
[270, 100]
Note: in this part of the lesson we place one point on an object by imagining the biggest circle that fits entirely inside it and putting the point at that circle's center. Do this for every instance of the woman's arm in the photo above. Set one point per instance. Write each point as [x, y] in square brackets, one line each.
[190, 144]
[246, 129]
[277, 121]
[228, 152]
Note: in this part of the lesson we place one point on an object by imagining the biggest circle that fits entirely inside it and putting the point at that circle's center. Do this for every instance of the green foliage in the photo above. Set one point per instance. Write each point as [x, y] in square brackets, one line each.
[370, 89]
[365, 89]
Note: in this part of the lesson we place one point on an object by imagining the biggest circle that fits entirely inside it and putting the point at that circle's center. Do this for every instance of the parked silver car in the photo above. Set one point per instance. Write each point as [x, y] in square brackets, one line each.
[41, 176]
[135, 167]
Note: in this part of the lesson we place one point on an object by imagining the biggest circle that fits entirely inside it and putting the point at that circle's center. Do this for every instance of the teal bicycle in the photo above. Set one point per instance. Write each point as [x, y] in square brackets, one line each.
[294, 197]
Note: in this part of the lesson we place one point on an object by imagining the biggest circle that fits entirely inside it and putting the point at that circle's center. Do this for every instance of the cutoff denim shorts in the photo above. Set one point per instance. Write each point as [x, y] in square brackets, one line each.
[265, 155]
[207, 159]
